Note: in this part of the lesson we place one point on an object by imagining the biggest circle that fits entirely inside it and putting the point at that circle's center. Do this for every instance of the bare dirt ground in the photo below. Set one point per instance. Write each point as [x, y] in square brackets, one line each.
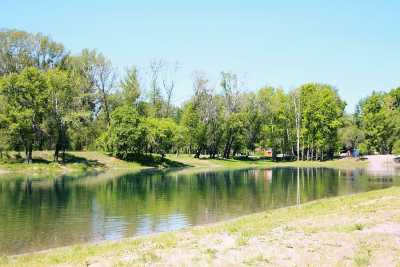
[329, 240]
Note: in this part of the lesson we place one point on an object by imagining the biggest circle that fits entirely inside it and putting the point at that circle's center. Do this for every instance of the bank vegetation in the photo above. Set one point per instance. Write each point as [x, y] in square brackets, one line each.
[51, 99]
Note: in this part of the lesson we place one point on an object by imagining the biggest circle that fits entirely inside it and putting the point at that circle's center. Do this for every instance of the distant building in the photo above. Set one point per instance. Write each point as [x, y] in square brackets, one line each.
[355, 153]
[266, 152]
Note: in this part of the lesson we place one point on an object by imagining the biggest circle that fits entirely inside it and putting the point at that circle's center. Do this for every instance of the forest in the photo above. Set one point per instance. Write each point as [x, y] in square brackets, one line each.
[52, 99]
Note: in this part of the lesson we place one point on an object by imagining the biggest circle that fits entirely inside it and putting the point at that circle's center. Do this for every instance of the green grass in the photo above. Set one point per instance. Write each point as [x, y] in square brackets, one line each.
[262, 163]
[89, 161]
[255, 261]
[210, 252]
[363, 255]
[78, 162]
[154, 246]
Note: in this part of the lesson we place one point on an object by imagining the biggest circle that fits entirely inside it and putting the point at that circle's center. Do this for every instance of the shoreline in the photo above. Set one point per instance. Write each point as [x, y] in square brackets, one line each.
[102, 163]
[354, 216]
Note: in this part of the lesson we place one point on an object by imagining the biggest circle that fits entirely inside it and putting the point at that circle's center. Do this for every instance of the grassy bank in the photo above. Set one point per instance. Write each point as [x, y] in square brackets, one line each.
[235, 163]
[78, 162]
[361, 229]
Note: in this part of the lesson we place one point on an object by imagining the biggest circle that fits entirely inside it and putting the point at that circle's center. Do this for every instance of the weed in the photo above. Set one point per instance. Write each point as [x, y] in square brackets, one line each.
[211, 252]
[359, 226]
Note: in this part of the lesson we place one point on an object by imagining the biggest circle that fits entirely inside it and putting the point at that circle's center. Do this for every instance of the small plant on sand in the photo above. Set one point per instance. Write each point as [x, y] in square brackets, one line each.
[211, 252]
[363, 255]
[256, 260]
[359, 226]
[149, 257]
[243, 239]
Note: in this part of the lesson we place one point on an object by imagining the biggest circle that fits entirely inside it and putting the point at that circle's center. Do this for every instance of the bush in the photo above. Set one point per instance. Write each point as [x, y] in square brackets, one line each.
[125, 136]
[396, 147]
[363, 147]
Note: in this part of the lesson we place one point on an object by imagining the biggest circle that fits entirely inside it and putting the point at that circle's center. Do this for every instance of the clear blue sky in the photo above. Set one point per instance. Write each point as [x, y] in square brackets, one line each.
[353, 45]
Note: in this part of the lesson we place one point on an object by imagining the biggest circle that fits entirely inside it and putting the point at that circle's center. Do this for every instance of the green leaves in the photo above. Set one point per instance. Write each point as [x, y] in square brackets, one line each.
[380, 119]
[131, 134]
[130, 86]
[20, 50]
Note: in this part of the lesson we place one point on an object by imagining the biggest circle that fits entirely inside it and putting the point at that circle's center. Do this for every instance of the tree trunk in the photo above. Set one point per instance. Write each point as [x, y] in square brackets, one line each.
[63, 155]
[297, 120]
[30, 153]
[56, 152]
[106, 108]
[197, 154]
[227, 149]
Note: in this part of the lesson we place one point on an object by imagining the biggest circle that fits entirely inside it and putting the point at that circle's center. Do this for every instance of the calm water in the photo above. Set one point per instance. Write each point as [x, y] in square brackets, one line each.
[36, 215]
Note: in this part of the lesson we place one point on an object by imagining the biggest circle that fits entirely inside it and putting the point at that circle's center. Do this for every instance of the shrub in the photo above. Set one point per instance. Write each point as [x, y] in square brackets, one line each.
[396, 147]
[363, 147]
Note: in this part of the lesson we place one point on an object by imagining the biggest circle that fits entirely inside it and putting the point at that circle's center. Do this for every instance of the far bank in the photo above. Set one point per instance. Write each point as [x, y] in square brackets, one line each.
[79, 162]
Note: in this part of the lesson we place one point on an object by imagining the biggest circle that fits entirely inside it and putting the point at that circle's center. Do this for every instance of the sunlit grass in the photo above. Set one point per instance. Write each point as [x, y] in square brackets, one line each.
[84, 161]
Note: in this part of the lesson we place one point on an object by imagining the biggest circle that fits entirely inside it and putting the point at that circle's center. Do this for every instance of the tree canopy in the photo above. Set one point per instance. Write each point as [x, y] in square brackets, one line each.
[52, 99]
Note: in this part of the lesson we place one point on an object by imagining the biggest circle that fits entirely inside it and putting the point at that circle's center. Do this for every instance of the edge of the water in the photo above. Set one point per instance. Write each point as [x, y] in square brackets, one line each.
[248, 225]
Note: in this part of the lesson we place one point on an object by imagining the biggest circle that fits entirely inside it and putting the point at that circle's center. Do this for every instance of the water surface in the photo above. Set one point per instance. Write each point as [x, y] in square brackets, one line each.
[36, 215]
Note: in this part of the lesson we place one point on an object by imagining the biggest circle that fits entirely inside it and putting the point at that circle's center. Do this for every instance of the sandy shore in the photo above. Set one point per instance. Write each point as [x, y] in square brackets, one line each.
[382, 165]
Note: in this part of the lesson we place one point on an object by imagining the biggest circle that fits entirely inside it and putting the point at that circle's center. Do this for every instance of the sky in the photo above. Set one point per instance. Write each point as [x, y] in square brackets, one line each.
[352, 45]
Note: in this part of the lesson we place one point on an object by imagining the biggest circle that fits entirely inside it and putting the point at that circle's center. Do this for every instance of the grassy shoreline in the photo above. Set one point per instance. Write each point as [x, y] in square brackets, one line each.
[355, 229]
[81, 162]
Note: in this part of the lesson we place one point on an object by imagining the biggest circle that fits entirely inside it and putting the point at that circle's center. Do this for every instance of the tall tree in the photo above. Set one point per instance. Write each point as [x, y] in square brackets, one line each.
[65, 110]
[297, 115]
[168, 82]
[26, 98]
[230, 89]
[380, 120]
[156, 98]
[322, 112]
[104, 81]
[130, 86]
[19, 50]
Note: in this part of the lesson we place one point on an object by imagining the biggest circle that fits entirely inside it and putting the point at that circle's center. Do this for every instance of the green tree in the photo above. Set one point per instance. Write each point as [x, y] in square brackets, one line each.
[155, 94]
[65, 110]
[162, 135]
[197, 138]
[26, 98]
[130, 86]
[94, 77]
[19, 50]
[126, 135]
[277, 127]
[379, 120]
[322, 112]
[203, 117]
[180, 139]
[252, 122]
[232, 121]
[396, 147]
[350, 136]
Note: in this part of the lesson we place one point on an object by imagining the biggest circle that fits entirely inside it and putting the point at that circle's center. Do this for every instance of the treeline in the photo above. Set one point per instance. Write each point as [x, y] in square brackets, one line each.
[51, 99]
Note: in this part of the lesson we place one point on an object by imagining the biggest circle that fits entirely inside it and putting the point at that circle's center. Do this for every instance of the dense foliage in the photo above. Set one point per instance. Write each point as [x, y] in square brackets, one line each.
[51, 99]
[379, 117]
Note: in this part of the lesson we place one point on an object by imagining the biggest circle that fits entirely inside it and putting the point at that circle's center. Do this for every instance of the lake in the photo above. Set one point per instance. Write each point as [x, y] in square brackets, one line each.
[42, 214]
